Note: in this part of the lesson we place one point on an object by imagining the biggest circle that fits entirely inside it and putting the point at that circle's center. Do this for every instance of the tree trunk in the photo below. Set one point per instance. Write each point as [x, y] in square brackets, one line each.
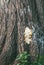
[15, 16]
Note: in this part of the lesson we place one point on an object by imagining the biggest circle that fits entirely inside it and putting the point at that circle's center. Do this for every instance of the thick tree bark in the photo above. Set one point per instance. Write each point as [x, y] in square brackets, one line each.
[15, 15]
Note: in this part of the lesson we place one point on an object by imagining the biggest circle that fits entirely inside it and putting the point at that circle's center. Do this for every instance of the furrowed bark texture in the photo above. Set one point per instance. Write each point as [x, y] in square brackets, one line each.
[15, 15]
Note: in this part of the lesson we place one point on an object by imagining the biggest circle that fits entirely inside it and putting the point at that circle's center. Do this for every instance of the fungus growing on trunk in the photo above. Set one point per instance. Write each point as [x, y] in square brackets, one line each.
[28, 35]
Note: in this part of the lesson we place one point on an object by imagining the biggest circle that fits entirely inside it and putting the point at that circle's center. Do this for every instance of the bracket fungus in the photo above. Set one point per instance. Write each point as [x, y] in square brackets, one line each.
[28, 35]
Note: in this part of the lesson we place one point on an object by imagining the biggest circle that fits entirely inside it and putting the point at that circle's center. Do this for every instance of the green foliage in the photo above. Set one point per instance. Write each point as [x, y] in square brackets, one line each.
[39, 61]
[36, 63]
[24, 59]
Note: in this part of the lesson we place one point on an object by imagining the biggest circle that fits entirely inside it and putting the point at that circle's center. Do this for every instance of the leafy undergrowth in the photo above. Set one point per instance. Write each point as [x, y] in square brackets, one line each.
[24, 59]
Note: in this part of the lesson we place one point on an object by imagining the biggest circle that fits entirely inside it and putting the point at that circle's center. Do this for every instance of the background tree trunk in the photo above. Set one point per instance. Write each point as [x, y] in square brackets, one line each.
[15, 15]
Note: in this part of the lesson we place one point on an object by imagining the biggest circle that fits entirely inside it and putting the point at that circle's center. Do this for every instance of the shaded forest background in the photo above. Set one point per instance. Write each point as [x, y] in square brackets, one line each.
[15, 15]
